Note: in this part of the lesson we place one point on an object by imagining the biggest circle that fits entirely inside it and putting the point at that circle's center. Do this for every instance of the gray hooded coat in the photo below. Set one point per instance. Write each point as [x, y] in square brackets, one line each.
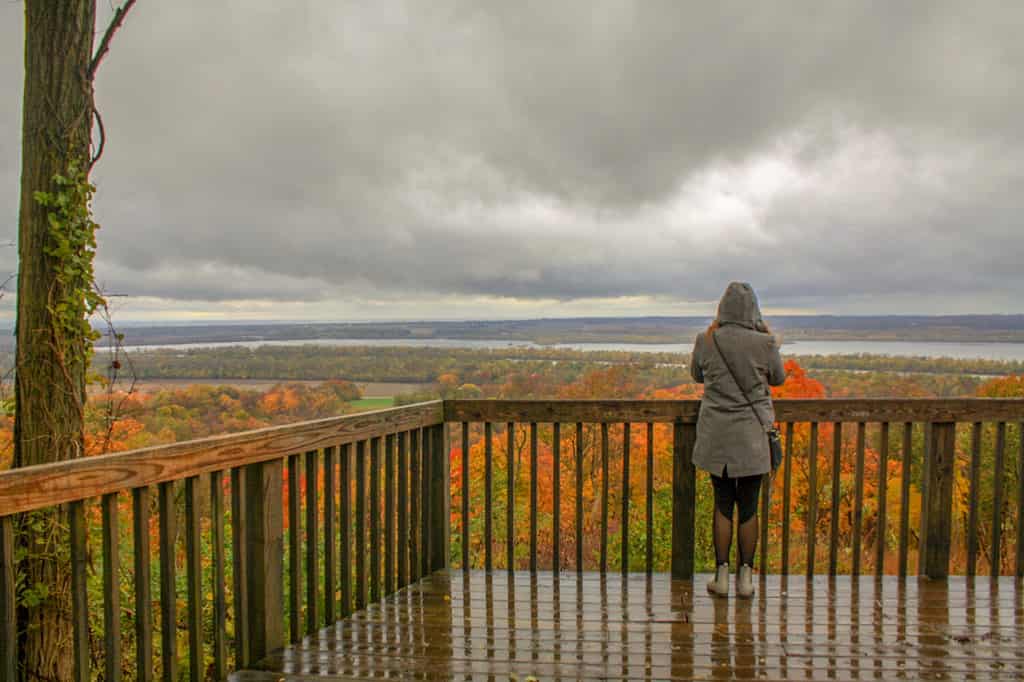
[729, 436]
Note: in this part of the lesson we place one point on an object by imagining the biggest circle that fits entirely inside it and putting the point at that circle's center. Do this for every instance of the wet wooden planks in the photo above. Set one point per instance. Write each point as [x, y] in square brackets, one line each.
[475, 625]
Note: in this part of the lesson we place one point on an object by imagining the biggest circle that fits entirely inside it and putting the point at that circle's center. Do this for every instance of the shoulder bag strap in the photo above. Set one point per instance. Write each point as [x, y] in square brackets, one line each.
[750, 404]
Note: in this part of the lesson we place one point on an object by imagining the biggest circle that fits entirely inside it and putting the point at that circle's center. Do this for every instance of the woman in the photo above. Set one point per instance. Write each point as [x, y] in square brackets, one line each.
[732, 444]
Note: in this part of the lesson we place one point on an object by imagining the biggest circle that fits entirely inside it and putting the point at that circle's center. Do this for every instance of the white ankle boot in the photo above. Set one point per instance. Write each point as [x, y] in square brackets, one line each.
[719, 586]
[745, 582]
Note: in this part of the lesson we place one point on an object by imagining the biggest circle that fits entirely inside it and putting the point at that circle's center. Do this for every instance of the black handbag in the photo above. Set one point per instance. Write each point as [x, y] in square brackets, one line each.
[774, 437]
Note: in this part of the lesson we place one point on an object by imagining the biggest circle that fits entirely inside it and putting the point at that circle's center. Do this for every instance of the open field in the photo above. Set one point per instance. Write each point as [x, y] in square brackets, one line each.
[370, 389]
[373, 403]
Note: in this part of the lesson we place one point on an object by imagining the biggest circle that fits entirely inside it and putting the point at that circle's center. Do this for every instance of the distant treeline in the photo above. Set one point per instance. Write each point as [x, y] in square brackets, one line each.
[380, 363]
[394, 364]
[425, 365]
[895, 363]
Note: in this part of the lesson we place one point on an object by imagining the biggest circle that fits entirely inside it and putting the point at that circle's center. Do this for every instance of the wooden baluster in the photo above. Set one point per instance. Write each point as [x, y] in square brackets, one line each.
[833, 549]
[375, 519]
[312, 540]
[997, 500]
[883, 485]
[440, 498]
[858, 497]
[624, 561]
[8, 602]
[975, 492]
[533, 497]
[604, 497]
[143, 593]
[1020, 501]
[239, 576]
[812, 501]
[908, 435]
[168, 593]
[389, 514]
[403, 511]
[294, 549]
[787, 480]
[345, 553]
[923, 516]
[488, 494]
[626, 500]
[579, 497]
[79, 592]
[510, 497]
[360, 538]
[111, 590]
[426, 500]
[766, 496]
[649, 563]
[465, 497]
[556, 494]
[330, 539]
[194, 580]
[684, 499]
[218, 577]
[414, 504]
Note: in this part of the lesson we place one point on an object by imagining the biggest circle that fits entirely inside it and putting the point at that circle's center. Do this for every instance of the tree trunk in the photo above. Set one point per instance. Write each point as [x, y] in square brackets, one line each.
[49, 383]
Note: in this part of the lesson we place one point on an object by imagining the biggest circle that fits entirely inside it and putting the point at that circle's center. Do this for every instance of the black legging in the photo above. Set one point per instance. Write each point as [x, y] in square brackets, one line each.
[742, 493]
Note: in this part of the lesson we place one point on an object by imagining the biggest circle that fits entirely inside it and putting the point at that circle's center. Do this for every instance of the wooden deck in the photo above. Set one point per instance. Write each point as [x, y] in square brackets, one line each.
[455, 625]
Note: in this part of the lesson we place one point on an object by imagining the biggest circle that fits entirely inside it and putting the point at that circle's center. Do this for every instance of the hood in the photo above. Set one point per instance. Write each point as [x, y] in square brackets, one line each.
[739, 306]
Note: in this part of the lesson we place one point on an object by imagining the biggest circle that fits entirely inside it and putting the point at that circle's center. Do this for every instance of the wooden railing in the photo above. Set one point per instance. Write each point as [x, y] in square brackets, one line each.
[258, 468]
[896, 421]
[369, 505]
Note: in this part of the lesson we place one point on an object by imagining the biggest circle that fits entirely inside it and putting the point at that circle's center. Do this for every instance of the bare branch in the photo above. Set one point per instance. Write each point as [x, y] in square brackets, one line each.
[104, 47]
[103, 138]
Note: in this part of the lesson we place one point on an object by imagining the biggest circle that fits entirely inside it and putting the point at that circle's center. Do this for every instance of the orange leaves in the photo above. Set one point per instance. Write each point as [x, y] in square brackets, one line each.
[616, 381]
[681, 392]
[6, 442]
[153, 418]
[1004, 387]
[123, 434]
[448, 380]
[798, 384]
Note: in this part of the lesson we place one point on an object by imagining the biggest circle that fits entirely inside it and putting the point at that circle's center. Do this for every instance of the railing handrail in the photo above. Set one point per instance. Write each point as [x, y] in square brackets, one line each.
[786, 410]
[46, 485]
[938, 415]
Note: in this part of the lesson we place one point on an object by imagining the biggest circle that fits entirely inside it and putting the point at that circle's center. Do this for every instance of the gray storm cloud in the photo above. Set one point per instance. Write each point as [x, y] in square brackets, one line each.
[844, 156]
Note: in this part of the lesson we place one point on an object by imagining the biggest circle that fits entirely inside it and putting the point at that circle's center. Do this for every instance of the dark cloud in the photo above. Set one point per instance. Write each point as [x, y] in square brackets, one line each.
[842, 156]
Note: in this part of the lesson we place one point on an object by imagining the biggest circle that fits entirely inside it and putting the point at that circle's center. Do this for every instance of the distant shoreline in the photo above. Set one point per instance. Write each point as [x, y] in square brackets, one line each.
[978, 350]
[552, 332]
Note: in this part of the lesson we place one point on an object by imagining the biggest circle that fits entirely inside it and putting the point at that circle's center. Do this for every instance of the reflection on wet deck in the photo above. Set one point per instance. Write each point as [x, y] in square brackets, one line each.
[517, 626]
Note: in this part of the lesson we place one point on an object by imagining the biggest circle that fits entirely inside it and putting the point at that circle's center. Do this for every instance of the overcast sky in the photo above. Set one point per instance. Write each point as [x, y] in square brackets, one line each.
[353, 160]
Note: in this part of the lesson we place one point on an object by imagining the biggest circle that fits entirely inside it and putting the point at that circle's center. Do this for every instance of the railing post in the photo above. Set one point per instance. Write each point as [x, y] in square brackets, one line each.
[264, 557]
[439, 498]
[684, 498]
[937, 505]
[8, 625]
